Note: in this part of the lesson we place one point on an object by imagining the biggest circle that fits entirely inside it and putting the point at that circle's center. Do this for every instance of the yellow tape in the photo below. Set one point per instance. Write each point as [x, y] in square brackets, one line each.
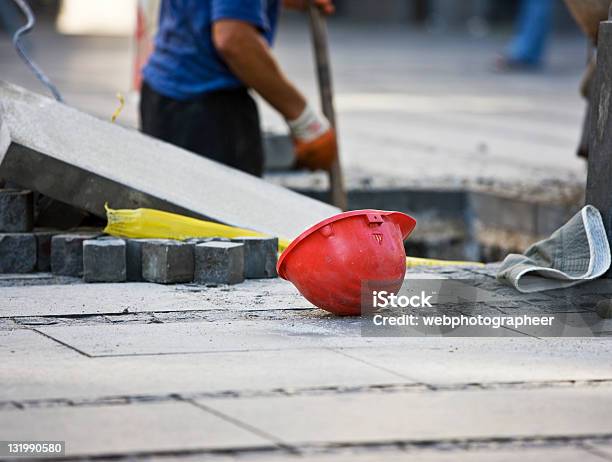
[413, 262]
[155, 224]
[119, 109]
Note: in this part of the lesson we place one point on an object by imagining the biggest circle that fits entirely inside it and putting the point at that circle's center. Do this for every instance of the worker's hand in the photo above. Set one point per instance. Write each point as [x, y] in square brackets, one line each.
[326, 6]
[316, 147]
[318, 154]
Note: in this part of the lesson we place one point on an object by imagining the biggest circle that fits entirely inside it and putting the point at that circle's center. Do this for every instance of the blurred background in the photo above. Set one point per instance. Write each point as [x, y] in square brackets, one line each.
[436, 117]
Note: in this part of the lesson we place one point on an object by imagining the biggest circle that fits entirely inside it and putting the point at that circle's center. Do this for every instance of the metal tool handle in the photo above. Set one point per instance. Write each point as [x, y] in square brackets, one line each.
[323, 65]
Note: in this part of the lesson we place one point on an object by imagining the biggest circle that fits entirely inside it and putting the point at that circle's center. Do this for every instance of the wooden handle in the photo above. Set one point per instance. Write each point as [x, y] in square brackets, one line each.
[321, 54]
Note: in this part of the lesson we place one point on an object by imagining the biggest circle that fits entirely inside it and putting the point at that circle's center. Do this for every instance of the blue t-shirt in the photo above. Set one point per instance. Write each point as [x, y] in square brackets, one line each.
[185, 63]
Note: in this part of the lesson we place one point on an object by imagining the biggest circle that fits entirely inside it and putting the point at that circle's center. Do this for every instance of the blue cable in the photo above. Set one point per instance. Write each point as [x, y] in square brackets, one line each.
[40, 75]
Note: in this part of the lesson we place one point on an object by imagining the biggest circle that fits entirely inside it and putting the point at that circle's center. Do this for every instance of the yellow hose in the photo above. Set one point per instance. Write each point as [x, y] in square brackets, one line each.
[155, 224]
[413, 262]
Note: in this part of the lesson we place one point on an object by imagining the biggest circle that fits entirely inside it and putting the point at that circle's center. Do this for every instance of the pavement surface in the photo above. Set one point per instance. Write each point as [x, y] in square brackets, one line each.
[139, 371]
[414, 109]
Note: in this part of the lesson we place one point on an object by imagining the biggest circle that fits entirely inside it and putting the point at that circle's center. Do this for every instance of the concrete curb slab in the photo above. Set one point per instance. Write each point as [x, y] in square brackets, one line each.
[101, 162]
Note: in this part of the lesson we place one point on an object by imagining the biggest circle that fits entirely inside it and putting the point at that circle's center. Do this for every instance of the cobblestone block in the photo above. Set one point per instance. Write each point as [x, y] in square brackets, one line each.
[104, 260]
[134, 259]
[67, 253]
[16, 211]
[167, 261]
[219, 262]
[17, 253]
[43, 248]
[260, 255]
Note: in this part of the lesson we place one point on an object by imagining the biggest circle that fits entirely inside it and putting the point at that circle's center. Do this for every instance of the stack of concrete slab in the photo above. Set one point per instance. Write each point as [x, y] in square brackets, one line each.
[85, 162]
[97, 258]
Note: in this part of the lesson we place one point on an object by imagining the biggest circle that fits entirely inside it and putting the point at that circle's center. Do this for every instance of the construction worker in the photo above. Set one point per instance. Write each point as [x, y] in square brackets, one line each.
[195, 93]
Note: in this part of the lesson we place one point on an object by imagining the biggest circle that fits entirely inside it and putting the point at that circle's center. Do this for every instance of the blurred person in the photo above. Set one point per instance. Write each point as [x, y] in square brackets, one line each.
[195, 92]
[533, 28]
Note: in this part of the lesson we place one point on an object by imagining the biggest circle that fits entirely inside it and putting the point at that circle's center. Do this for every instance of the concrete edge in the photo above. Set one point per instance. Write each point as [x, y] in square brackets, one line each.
[5, 136]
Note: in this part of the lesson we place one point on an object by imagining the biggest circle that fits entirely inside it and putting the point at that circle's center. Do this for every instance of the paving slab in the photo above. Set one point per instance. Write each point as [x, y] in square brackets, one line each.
[444, 361]
[198, 337]
[83, 299]
[604, 449]
[257, 294]
[64, 373]
[302, 331]
[51, 140]
[125, 429]
[74, 299]
[28, 347]
[426, 416]
[518, 454]
[210, 336]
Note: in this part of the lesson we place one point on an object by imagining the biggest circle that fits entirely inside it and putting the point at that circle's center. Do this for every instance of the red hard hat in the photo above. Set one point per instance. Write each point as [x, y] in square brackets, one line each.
[329, 262]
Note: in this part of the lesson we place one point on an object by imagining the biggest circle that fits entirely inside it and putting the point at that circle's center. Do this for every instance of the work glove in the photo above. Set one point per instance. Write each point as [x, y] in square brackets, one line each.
[316, 147]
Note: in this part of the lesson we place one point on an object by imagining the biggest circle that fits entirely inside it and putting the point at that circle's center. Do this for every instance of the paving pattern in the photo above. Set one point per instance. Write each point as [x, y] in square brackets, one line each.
[254, 372]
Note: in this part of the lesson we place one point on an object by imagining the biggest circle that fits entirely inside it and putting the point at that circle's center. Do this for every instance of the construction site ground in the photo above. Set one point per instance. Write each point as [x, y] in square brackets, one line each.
[254, 372]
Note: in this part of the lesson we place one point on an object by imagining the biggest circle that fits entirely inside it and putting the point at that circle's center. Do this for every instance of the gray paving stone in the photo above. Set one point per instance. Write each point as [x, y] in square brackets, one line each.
[67, 253]
[54, 371]
[43, 248]
[260, 256]
[57, 299]
[128, 429]
[53, 300]
[167, 262]
[604, 448]
[200, 337]
[445, 361]
[134, 259]
[258, 294]
[407, 357]
[16, 211]
[26, 346]
[104, 260]
[518, 454]
[156, 174]
[426, 416]
[17, 252]
[219, 262]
